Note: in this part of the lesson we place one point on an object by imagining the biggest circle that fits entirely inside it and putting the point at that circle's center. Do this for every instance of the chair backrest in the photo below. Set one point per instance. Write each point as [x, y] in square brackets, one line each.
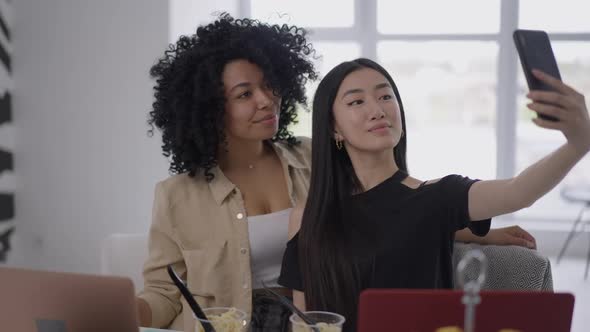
[124, 255]
[530, 270]
[579, 193]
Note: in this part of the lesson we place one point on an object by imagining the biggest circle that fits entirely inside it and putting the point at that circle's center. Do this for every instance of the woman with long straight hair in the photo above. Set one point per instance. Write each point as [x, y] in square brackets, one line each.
[368, 224]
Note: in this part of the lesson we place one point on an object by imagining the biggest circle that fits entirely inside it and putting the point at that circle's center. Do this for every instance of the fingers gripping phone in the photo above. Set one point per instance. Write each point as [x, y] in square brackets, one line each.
[535, 52]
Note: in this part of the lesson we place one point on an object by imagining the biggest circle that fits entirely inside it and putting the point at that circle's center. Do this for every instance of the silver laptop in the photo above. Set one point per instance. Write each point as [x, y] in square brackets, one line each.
[40, 301]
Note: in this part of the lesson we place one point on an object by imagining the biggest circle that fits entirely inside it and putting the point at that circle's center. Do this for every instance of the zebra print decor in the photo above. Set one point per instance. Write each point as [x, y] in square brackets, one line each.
[6, 157]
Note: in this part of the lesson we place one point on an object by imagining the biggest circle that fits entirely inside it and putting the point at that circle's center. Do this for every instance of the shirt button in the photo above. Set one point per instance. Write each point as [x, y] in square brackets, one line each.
[240, 216]
[243, 250]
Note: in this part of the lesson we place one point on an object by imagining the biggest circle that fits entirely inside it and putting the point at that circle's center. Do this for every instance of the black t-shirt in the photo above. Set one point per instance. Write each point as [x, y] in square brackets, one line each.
[420, 226]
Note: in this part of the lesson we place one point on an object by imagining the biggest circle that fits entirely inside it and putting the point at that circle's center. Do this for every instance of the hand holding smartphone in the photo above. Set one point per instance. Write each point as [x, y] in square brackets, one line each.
[535, 52]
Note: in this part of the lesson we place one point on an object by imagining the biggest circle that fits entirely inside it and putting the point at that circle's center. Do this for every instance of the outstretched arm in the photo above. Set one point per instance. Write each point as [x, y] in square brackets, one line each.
[488, 199]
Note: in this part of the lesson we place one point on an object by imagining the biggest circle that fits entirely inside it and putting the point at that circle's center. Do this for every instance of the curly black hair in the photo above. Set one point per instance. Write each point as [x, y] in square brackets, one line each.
[189, 96]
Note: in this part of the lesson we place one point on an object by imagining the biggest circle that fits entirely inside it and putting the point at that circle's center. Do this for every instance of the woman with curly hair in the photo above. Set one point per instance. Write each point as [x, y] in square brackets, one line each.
[224, 98]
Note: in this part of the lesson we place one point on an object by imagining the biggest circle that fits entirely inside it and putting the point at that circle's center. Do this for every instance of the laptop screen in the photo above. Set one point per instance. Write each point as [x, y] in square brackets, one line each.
[428, 310]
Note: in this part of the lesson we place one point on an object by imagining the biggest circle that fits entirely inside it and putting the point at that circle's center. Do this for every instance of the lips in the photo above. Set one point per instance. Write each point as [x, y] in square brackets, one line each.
[266, 118]
[380, 126]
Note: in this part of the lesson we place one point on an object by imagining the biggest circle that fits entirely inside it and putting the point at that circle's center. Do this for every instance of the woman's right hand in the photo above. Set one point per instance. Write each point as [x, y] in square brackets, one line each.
[299, 299]
[144, 312]
[565, 104]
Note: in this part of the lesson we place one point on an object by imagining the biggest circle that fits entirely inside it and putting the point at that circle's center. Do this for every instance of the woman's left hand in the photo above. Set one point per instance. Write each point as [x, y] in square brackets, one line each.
[513, 235]
[565, 104]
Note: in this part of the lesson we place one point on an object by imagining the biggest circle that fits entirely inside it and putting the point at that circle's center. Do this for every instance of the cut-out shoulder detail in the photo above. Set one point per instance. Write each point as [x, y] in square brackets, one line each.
[413, 183]
[429, 182]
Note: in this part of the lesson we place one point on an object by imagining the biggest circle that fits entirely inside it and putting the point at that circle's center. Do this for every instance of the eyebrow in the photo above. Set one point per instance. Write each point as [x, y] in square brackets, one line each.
[239, 85]
[377, 87]
[382, 85]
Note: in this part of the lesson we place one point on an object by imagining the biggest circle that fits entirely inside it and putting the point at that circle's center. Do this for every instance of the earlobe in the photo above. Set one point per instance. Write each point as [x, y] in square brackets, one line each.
[337, 135]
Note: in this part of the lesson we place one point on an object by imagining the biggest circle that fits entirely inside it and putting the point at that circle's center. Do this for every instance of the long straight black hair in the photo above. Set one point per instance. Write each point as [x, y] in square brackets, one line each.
[330, 249]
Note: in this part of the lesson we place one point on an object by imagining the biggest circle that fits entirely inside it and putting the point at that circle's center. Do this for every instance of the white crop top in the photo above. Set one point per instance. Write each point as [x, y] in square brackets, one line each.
[268, 239]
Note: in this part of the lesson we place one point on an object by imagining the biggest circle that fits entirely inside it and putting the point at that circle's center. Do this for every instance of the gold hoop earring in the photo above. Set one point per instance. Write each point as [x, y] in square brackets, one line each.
[339, 145]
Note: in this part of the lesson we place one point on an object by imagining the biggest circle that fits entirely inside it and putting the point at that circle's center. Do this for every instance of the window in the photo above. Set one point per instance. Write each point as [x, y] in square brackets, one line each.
[448, 91]
[565, 16]
[299, 13]
[458, 74]
[442, 17]
[332, 53]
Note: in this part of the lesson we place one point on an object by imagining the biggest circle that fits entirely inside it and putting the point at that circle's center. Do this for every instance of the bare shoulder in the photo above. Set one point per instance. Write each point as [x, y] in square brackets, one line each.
[431, 181]
[415, 183]
[295, 219]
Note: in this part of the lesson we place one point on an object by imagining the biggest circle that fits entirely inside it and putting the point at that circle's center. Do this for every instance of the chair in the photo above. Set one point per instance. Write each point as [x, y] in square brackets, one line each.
[124, 255]
[509, 267]
[577, 194]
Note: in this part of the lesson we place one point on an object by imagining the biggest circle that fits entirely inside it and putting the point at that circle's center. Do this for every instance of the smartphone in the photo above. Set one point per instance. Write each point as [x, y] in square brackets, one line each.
[535, 52]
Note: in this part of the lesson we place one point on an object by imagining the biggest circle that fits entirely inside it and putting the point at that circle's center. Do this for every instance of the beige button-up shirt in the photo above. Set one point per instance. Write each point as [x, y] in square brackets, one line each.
[200, 227]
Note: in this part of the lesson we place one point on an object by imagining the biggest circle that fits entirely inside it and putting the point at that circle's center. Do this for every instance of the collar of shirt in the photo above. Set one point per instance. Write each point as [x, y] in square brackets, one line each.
[221, 186]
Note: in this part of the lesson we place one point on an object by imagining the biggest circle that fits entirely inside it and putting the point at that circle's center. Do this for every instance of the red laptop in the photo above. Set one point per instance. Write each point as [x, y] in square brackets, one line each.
[428, 310]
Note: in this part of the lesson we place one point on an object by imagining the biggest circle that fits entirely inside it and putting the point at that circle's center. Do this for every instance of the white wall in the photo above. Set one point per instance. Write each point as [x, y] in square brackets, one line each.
[186, 15]
[86, 167]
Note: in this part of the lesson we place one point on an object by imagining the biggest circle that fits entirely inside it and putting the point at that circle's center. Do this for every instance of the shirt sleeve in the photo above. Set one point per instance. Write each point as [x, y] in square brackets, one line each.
[290, 276]
[159, 292]
[456, 205]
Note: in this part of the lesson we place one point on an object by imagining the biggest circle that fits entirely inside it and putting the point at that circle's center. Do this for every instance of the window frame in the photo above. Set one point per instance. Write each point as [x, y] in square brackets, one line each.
[365, 32]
